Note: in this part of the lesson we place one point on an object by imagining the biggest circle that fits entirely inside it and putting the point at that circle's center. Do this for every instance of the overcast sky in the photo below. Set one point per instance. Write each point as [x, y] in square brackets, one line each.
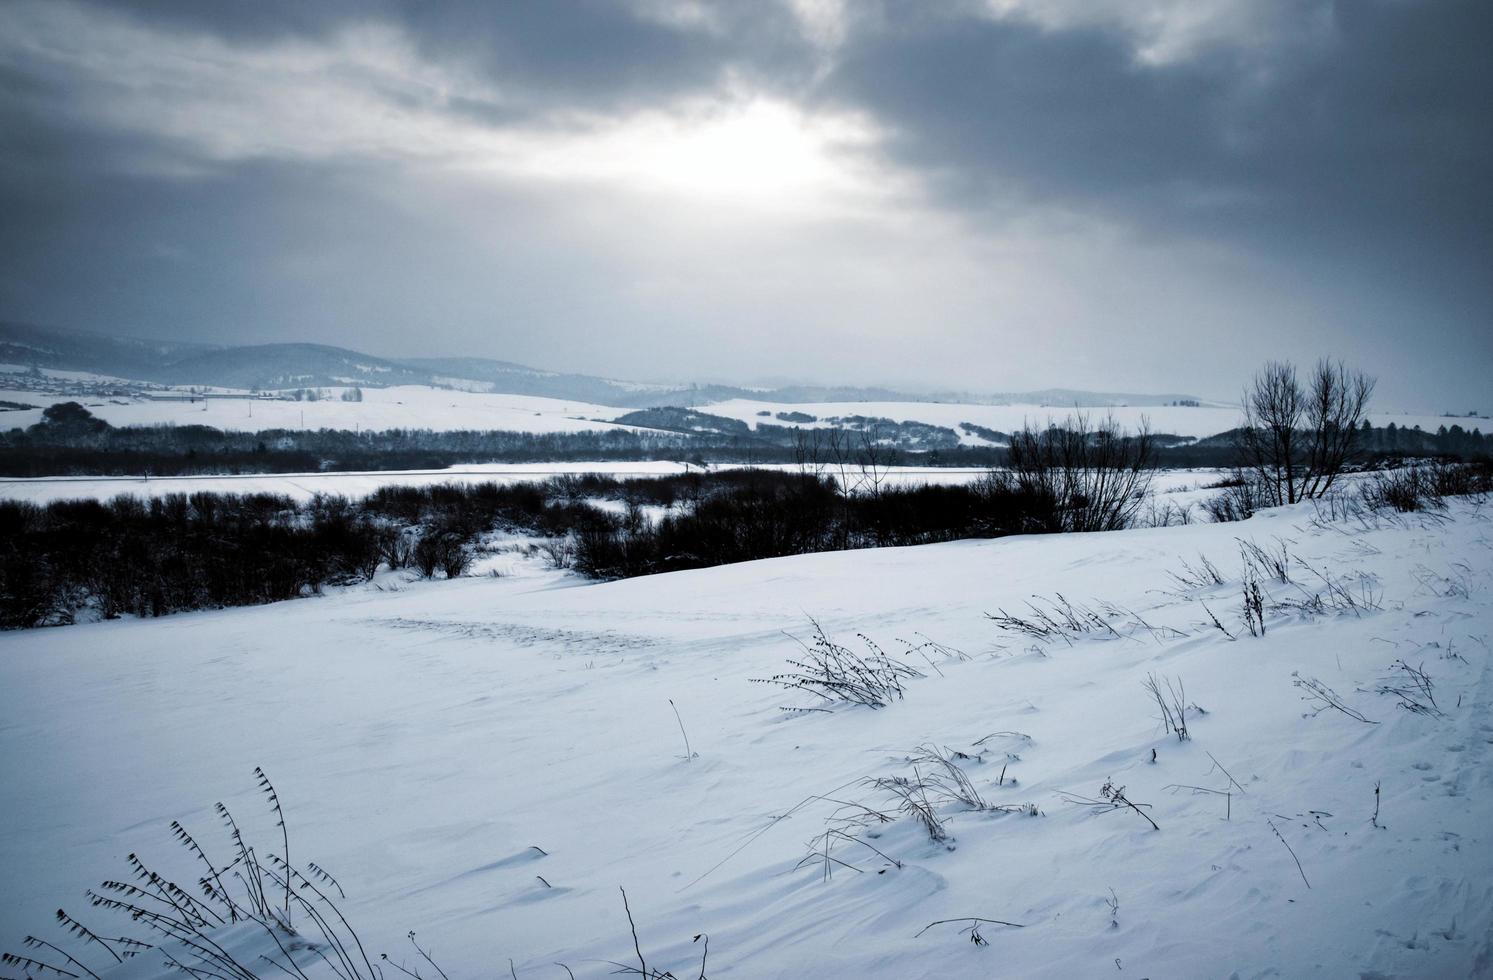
[973, 194]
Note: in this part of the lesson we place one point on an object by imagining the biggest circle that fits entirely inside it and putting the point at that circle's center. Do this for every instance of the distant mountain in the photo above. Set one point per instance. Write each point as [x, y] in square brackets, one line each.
[274, 366]
[1060, 398]
[516, 379]
[505, 377]
[290, 366]
[66, 350]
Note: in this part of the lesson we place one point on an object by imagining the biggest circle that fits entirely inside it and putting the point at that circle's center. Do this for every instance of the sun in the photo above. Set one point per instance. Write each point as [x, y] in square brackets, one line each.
[758, 152]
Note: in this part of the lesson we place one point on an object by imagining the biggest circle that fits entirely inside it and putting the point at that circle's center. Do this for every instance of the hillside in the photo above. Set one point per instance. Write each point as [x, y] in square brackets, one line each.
[294, 365]
[65, 350]
[486, 761]
[288, 366]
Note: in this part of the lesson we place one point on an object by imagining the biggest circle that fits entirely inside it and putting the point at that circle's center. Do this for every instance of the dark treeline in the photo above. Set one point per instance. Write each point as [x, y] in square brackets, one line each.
[1387, 442]
[769, 514]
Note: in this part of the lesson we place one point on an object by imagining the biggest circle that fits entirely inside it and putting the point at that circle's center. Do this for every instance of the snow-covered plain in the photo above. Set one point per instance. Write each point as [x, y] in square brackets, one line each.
[447, 409]
[425, 741]
[398, 407]
[304, 486]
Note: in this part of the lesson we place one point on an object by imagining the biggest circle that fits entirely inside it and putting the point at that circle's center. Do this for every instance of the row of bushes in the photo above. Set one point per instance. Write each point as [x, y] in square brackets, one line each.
[767, 515]
[1425, 486]
[151, 557]
[129, 556]
[1415, 486]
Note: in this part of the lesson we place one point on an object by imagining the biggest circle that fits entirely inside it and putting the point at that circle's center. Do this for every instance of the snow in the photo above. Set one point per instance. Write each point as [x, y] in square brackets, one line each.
[397, 407]
[1193, 422]
[56, 375]
[446, 409]
[303, 486]
[425, 740]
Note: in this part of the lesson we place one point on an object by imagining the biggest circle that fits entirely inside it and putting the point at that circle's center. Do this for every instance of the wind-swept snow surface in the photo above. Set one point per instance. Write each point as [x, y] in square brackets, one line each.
[486, 761]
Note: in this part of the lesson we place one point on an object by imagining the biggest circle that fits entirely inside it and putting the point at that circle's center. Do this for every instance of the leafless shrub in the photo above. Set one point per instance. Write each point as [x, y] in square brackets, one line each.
[972, 929]
[911, 796]
[1203, 575]
[1289, 850]
[1474, 479]
[822, 851]
[836, 674]
[1095, 477]
[1239, 501]
[1406, 490]
[937, 782]
[1055, 618]
[396, 546]
[1323, 697]
[1168, 513]
[1337, 504]
[1268, 562]
[1340, 595]
[929, 649]
[1254, 606]
[643, 969]
[1413, 687]
[1214, 619]
[1172, 704]
[1457, 584]
[256, 890]
[559, 552]
[443, 550]
[253, 888]
[944, 777]
[1111, 798]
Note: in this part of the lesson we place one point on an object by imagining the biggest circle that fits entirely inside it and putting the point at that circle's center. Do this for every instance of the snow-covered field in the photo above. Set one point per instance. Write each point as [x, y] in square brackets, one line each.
[399, 407]
[443, 409]
[486, 761]
[303, 486]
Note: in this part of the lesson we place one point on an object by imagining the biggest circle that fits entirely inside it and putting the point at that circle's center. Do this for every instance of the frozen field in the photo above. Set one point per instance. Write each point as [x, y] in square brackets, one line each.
[486, 761]
[400, 407]
[440, 409]
[303, 486]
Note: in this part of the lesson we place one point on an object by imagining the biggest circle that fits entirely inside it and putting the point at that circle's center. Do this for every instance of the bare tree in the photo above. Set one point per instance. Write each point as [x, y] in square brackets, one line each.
[1336, 403]
[1296, 441]
[874, 459]
[809, 454]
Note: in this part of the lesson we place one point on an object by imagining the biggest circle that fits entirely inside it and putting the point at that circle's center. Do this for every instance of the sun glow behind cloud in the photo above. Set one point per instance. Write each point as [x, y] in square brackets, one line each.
[756, 153]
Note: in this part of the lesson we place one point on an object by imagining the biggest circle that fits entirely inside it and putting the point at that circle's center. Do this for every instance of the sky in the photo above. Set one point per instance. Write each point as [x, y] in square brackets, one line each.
[980, 195]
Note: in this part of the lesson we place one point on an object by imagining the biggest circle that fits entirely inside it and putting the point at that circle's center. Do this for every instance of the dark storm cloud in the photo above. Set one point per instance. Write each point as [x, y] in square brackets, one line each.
[1378, 126]
[556, 54]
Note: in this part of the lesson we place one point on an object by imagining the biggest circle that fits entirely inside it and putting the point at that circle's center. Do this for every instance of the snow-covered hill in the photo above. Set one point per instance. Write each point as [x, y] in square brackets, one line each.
[446, 409]
[486, 761]
[1194, 422]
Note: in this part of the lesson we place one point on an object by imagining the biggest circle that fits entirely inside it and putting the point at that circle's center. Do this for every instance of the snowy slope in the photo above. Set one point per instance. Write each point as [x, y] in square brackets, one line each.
[425, 740]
